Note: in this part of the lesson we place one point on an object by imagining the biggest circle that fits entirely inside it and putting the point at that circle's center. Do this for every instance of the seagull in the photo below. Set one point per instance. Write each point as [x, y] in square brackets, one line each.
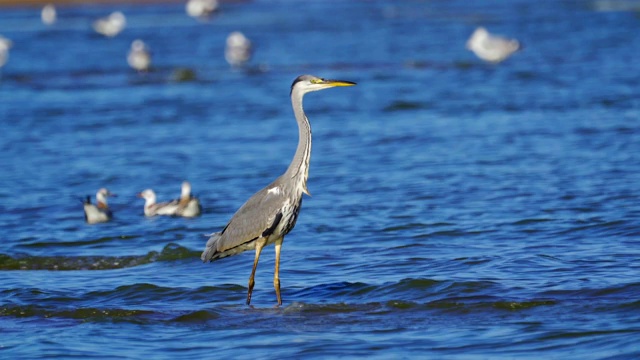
[100, 212]
[111, 25]
[152, 209]
[238, 49]
[48, 14]
[188, 205]
[201, 9]
[491, 48]
[5, 45]
[139, 57]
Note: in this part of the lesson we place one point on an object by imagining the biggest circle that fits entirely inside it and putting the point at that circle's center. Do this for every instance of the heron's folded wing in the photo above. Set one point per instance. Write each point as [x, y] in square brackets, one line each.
[256, 218]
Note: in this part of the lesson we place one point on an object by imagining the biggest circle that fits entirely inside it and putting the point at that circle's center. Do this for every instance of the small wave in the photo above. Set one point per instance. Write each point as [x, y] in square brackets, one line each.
[243, 316]
[80, 243]
[403, 105]
[531, 221]
[92, 314]
[171, 252]
[395, 300]
[197, 317]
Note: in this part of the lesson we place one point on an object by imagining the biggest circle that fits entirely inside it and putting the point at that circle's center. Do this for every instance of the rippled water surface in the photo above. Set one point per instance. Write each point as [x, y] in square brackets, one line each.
[459, 209]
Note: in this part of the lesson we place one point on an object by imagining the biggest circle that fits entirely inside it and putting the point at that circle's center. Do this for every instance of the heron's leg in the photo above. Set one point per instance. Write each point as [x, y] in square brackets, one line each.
[276, 274]
[259, 245]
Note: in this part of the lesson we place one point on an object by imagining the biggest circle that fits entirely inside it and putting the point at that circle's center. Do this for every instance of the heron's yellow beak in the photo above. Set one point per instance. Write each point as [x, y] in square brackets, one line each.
[339, 83]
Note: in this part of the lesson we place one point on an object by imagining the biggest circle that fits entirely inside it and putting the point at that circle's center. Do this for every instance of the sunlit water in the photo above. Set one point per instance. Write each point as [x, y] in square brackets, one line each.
[459, 210]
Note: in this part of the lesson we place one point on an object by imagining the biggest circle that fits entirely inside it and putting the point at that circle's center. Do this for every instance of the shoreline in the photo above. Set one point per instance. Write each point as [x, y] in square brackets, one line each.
[37, 3]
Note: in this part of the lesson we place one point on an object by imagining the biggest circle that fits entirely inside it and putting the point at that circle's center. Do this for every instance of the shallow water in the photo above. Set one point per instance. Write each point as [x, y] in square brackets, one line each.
[459, 210]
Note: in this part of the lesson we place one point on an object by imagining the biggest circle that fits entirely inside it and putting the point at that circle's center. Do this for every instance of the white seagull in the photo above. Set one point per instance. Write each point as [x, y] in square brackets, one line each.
[99, 212]
[139, 57]
[491, 48]
[111, 25]
[48, 14]
[188, 205]
[5, 45]
[238, 49]
[152, 209]
[201, 9]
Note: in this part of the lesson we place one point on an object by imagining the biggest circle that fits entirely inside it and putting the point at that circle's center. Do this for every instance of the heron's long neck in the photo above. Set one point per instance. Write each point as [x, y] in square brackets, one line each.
[299, 167]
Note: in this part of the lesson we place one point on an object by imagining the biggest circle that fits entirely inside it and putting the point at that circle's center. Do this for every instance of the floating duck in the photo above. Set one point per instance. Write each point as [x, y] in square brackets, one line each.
[491, 48]
[188, 205]
[238, 49]
[111, 25]
[152, 209]
[139, 57]
[99, 212]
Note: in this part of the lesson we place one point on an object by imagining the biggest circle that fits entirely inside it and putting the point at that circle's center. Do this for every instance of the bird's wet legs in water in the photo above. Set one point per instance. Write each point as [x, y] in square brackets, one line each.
[260, 243]
[276, 276]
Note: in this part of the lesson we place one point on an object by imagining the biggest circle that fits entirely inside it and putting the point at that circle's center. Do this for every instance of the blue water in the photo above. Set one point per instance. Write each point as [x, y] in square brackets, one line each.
[460, 210]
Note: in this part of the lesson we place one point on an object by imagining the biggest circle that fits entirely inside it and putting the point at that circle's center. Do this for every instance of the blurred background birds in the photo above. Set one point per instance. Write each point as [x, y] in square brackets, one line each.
[139, 57]
[111, 25]
[5, 45]
[201, 9]
[99, 212]
[238, 49]
[491, 48]
[48, 15]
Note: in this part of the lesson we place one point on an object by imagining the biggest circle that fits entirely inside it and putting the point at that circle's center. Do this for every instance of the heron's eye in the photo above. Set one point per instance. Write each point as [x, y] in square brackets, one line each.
[316, 81]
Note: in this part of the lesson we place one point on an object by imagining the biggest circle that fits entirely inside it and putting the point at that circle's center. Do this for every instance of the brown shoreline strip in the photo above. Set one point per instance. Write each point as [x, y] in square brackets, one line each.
[34, 3]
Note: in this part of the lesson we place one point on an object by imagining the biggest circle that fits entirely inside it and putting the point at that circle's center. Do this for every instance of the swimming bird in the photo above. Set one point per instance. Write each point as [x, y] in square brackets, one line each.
[238, 49]
[152, 209]
[491, 48]
[100, 212]
[111, 25]
[5, 45]
[48, 14]
[139, 57]
[272, 212]
[188, 205]
[201, 9]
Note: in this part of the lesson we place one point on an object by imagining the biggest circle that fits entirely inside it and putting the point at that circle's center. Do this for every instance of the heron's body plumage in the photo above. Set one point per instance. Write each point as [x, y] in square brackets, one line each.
[249, 223]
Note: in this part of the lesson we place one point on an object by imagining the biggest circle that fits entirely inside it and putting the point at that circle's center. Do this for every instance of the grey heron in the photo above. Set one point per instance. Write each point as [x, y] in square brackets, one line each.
[99, 212]
[272, 212]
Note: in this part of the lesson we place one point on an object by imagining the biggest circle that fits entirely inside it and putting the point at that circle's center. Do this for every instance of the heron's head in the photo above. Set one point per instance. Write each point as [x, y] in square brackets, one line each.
[307, 83]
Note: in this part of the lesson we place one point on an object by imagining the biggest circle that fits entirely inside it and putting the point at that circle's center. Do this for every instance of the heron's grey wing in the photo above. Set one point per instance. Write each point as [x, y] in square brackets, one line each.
[258, 217]
[211, 248]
